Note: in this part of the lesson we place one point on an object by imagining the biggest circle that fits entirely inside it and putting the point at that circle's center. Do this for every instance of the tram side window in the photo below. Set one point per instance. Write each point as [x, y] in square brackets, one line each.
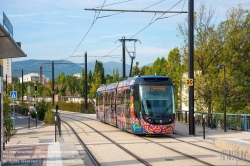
[106, 99]
[100, 99]
[137, 105]
[121, 96]
[127, 97]
[112, 100]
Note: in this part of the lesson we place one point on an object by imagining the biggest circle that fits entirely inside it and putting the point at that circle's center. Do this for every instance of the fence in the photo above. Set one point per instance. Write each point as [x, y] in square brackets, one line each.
[58, 124]
[240, 122]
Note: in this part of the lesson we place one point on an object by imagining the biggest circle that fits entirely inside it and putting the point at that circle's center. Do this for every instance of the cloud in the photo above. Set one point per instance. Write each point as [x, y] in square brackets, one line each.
[31, 14]
[52, 23]
[78, 17]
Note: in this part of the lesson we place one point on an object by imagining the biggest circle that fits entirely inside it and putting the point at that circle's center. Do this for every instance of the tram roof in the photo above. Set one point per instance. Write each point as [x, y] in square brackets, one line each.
[129, 81]
[8, 47]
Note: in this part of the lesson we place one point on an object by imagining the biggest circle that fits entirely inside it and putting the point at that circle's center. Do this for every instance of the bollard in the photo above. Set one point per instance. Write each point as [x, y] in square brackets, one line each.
[245, 122]
[55, 127]
[216, 121]
[185, 116]
[29, 120]
[203, 124]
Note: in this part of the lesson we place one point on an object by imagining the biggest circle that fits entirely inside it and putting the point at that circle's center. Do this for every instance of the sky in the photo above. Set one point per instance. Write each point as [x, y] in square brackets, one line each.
[64, 30]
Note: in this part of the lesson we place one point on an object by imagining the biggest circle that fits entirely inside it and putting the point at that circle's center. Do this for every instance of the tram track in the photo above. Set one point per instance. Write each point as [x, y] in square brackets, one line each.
[138, 158]
[167, 147]
[91, 156]
[114, 142]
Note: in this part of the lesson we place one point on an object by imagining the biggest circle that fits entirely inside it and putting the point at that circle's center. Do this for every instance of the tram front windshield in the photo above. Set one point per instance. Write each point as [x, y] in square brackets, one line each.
[157, 100]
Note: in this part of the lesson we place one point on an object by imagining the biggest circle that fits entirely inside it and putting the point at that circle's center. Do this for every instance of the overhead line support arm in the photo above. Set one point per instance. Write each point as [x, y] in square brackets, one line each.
[145, 11]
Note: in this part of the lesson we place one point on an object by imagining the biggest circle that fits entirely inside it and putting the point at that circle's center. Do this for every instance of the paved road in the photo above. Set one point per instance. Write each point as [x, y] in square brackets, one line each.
[22, 121]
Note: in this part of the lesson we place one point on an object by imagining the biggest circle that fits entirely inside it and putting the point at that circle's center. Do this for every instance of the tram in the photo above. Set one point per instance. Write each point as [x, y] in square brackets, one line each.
[140, 105]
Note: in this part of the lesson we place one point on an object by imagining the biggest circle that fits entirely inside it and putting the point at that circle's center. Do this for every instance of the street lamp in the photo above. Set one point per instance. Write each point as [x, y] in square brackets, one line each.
[225, 115]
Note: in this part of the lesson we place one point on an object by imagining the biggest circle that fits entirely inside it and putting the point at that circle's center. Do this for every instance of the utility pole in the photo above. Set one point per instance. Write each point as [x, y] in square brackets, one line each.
[123, 57]
[22, 86]
[85, 80]
[29, 106]
[53, 92]
[6, 85]
[191, 65]
[123, 40]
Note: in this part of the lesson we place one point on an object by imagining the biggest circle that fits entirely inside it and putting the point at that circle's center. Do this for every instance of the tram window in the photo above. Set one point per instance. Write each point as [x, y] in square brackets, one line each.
[100, 99]
[137, 105]
[107, 99]
[136, 93]
[112, 98]
[127, 95]
[121, 97]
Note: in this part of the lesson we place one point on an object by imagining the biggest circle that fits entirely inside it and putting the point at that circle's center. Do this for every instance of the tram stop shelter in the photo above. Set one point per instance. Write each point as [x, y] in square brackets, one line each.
[8, 49]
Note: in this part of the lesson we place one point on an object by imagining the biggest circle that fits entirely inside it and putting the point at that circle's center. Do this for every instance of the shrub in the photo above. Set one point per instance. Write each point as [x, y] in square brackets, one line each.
[42, 108]
[77, 107]
[24, 109]
[49, 117]
[6, 112]
[33, 114]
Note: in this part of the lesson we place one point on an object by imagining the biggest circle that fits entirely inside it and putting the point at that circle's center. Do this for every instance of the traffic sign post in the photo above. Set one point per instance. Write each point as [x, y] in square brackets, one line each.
[35, 103]
[13, 96]
[29, 107]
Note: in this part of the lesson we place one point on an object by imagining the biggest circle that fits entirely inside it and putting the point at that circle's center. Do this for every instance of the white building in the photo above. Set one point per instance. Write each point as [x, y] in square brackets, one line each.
[33, 77]
[78, 75]
[7, 69]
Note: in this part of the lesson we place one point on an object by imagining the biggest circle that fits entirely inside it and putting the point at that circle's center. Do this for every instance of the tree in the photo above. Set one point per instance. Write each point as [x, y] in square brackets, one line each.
[108, 79]
[135, 70]
[15, 79]
[99, 69]
[6, 112]
[208, 44]
[174, 69]
[156, 68]
[61, 79]
[71, 83]
[235, 57]
[116, 75]
[95, 84]
[144, 70]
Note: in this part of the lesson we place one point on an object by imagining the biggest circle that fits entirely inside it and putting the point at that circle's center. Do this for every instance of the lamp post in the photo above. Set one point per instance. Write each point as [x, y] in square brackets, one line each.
[225, 115]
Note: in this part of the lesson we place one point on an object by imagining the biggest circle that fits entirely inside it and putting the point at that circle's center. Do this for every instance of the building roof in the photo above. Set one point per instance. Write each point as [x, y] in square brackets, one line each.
[8, 47]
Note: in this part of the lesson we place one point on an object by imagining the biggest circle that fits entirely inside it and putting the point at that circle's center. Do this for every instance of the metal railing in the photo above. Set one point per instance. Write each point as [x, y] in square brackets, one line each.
[58, 124]
[239, 122]
[7, 135]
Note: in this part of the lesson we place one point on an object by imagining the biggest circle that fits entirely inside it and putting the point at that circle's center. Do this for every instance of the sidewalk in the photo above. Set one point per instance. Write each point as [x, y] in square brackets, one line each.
[37, 146]
[233, 141]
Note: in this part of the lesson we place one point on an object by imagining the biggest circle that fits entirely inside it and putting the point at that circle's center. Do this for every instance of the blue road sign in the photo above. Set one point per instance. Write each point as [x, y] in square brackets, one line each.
[13, 95]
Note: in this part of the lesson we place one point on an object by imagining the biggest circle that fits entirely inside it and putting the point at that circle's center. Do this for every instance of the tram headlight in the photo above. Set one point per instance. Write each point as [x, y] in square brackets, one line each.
[150, 120]
[170, 119]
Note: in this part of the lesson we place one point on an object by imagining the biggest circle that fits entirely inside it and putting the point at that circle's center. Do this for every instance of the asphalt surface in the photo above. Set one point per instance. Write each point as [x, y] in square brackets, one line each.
[21, 121]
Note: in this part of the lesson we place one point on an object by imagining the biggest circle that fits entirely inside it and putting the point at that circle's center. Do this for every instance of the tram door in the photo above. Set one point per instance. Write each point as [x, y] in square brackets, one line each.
[127, 109]
[112, 109]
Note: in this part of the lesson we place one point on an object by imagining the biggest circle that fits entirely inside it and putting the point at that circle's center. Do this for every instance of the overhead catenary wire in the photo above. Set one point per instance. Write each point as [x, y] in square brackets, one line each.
[87, 31]
[140, 10]
[151, 22]
[95, 18]
[114, 3]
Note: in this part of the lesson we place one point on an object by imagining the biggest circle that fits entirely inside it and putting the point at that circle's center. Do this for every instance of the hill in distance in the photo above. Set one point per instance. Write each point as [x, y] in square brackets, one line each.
[68, 67]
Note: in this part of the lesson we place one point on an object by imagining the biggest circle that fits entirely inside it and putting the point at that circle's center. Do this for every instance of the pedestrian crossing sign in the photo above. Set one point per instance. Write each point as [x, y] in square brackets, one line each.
[13, 95]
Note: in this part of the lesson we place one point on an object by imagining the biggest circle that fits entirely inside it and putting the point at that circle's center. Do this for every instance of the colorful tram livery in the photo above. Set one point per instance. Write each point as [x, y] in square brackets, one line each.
[140, 105]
